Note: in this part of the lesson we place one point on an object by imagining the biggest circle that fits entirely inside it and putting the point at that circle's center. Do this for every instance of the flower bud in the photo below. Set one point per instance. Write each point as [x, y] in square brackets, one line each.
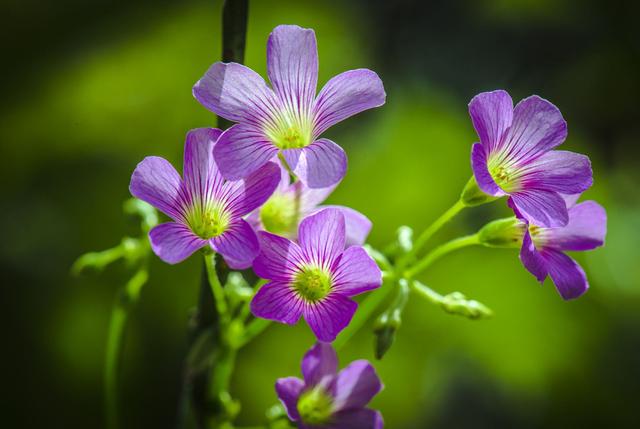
[505, 233]
[472, 195]
[457, 303]
[389, 322]
[405, 238]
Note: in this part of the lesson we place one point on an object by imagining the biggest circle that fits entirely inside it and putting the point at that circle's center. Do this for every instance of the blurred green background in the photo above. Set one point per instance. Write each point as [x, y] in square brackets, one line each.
[90, 88]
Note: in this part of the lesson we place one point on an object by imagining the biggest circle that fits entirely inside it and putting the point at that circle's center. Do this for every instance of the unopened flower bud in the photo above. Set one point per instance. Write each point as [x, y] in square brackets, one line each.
[389, 322]
[457, 303]
[405, 238]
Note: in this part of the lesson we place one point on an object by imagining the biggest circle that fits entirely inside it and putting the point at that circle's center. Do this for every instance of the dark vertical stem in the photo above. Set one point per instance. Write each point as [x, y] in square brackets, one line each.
[195, 389]
[234, 37]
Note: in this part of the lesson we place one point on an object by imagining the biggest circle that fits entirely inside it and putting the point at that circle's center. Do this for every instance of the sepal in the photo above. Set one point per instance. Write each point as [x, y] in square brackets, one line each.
[472, 195]
[503, 233]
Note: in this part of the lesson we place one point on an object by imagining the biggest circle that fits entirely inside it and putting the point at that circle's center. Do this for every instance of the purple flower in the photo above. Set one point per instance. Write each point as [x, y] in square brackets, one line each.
[543, 249]
[206, 209]
[314, 278]
[330, 399]
[514, 156]
[292, 202]
[288, 118]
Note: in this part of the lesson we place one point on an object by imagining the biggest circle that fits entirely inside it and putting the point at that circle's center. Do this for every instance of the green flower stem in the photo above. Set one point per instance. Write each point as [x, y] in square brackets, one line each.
[126, 299]
[216, 289]
[430, 231]
[365, 309]
[439, 252]
[253, 329]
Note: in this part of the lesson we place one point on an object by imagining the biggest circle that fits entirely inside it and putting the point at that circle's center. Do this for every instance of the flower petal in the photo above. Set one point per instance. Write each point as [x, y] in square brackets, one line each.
[277, 301]
[356, 385]
[236, 93]
[279, 258]
[586, 229]
[322, 236]
[481, 171]
[319, 165]
[345, 95]
[292, 65]
[239, 245]
[174, 242]
[288, 390]
[357, 226]
[310, 198]
[156, 182]
[244, 196]
[356, 272]
[537, 127]
[241, 150]
[542, 208]
[319, 362]
[328, 317]
[358, 419]
[559, 171]
[532, 259]
[569, 277]
[491, 114]
[201, 176]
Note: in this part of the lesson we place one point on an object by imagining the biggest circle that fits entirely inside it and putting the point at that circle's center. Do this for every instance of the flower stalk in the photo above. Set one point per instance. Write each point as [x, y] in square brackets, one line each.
[428, 233]
[440, 251]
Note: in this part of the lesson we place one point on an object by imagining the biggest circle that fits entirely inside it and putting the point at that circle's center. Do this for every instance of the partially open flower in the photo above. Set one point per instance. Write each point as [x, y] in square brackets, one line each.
[292, 202]
[543, 249]
[288, 118]
[329, 399]
[205, 208]
[314, 278]
[515, 157]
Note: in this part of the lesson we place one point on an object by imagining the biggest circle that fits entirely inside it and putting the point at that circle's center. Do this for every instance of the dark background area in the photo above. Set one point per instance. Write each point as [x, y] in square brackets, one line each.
[89, 88]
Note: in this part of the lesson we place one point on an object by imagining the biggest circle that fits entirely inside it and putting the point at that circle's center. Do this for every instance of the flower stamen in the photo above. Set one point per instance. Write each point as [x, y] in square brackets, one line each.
[312, 284]
[315, 407]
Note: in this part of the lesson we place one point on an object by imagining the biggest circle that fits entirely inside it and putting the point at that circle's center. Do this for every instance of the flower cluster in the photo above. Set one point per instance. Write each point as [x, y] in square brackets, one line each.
[253, 194]
[515, 158]
[237, 198]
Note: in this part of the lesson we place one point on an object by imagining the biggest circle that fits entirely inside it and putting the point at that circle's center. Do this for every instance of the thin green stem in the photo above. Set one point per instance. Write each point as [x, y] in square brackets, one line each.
[253, 329]
[431, 230]
[365, 309]
[439, 252]
[125, 300]
[426, 292]
[216, 287]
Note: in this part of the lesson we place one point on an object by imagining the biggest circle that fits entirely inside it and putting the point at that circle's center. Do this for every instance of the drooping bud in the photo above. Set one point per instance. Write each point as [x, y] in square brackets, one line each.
[504, 233]
[390, 320]
[472, 195]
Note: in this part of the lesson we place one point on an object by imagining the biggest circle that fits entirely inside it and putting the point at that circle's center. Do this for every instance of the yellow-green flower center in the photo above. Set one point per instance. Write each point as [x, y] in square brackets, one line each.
[290, 130]
[312, 284]
[208, 221]
[315, 407]
[505, 177]
[279, 214]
